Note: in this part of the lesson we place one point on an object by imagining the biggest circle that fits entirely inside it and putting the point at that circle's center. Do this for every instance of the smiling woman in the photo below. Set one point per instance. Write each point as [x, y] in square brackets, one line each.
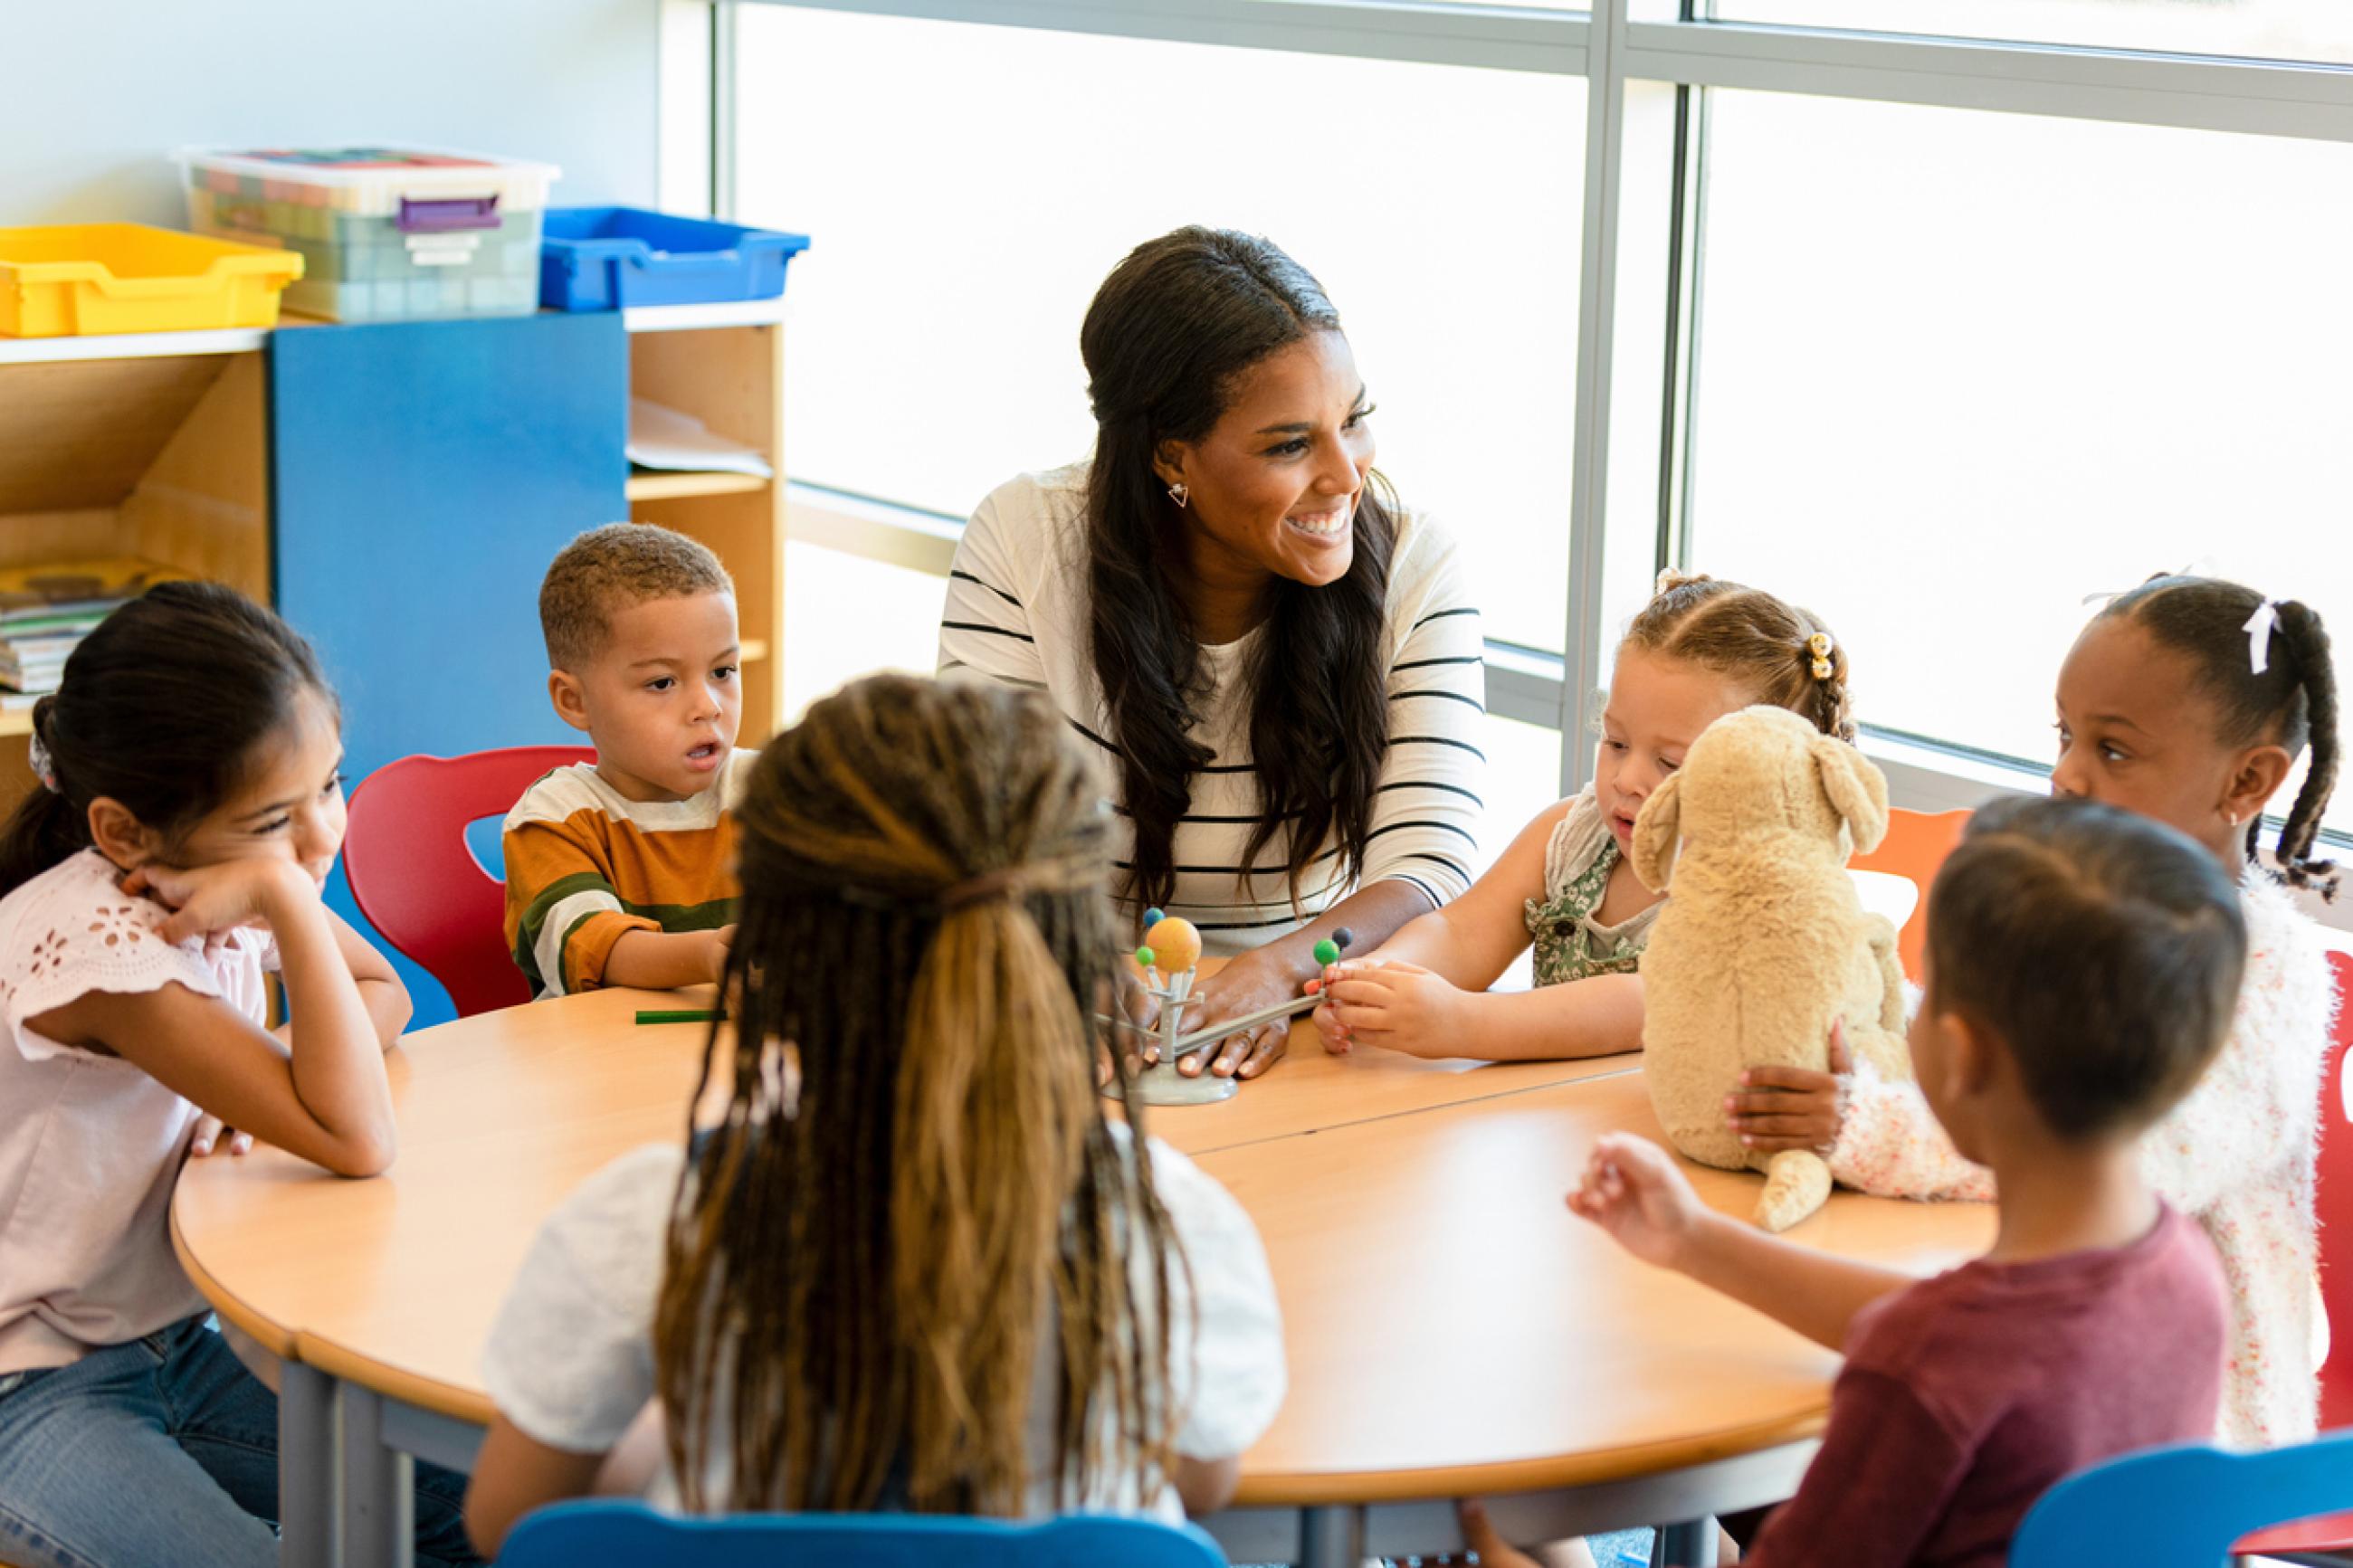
[1278, 661]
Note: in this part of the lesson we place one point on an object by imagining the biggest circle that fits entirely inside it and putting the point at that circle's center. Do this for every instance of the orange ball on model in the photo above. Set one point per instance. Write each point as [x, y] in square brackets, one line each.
[1175, 945]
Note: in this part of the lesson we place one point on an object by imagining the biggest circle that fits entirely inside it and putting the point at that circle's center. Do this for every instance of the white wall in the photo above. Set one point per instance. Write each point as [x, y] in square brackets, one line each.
[99, 92]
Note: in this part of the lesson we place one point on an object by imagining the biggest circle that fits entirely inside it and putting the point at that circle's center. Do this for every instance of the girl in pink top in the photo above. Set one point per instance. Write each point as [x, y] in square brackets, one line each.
[190, 805]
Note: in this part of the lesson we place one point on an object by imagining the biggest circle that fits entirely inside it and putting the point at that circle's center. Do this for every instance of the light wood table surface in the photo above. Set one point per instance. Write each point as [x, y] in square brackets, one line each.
[1552, 1357]
[1450, 1325]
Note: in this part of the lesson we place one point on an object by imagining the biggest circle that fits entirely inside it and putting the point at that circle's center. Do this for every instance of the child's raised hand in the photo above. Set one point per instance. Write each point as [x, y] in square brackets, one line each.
[208, 901]
[1633, 1190]
[1791, 1108]
[1388, 1002]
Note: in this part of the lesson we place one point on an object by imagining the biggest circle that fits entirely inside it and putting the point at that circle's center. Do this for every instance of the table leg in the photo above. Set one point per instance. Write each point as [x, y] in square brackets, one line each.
[306, 1468]
[379, 1523]
[1331, 1538]
[1691, 1544]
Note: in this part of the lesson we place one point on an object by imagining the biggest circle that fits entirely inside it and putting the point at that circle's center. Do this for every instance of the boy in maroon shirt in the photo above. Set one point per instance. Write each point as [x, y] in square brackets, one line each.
[2082, 966]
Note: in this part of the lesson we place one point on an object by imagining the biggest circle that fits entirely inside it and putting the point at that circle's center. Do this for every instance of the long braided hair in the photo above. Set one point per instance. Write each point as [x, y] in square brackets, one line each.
[2292, 703]
[913, 1194]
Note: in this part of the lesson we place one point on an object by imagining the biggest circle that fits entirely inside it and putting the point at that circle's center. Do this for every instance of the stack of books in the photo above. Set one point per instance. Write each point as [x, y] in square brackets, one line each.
[35, 640]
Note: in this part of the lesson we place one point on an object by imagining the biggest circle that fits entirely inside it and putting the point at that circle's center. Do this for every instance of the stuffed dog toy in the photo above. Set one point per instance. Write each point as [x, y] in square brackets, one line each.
[1764, 941]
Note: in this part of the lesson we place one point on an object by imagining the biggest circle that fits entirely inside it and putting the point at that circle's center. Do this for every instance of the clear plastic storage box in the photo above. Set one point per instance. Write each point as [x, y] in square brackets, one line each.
[384, 232]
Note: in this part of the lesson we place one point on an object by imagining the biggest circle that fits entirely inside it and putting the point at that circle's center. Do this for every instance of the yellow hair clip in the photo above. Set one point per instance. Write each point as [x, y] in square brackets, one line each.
[1820, 646]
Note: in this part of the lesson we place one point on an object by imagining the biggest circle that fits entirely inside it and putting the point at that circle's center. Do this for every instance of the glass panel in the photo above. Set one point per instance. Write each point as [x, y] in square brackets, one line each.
[968, 187]
[2271, 29]
[1959, 370]
[845, 616]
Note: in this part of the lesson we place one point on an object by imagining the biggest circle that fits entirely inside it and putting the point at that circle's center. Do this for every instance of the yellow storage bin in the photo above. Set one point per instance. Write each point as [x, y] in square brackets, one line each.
[83, 280]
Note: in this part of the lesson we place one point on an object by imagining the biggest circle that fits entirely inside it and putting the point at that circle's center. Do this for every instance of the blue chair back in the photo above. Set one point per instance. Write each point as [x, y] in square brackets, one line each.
[2181, 1508]
[607, 1535]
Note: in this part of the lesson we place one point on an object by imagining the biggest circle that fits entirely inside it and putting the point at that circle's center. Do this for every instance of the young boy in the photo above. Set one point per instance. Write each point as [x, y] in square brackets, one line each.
[622, 873]
[2083, 965]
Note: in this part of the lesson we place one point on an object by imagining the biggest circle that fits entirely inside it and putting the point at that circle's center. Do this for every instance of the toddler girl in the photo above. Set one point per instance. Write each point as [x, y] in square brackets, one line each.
[1701, 649]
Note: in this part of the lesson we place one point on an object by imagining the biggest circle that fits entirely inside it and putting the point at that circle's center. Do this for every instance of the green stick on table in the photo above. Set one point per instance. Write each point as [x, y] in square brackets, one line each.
[677, 1015]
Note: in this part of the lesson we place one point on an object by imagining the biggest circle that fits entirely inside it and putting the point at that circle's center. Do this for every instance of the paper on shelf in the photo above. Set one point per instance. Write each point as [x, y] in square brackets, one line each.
[665, 438]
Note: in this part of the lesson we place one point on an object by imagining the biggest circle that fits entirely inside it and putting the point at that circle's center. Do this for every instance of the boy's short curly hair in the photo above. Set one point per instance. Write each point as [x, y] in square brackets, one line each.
[613, 567]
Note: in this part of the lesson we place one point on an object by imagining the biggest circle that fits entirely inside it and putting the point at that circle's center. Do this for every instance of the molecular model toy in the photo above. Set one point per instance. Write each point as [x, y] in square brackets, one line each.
[1170, 958]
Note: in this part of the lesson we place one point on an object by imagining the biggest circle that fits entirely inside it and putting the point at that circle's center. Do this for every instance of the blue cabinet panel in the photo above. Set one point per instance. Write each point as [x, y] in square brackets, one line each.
[424, 475]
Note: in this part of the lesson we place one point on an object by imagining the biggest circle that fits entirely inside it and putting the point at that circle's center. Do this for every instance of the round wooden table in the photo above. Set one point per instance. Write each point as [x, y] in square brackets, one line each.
[1450, 1327]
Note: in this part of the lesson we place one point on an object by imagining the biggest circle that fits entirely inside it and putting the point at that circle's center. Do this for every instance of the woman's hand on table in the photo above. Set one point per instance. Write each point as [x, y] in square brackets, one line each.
[1633, 1190]
[1390, 1002]
[1247, 984]
[1791, 1108]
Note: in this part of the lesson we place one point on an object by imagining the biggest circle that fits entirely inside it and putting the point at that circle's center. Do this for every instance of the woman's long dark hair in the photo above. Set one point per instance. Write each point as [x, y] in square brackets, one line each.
[1169, 334]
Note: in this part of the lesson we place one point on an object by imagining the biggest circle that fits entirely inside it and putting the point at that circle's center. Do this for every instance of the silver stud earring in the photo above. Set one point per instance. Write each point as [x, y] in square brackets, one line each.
[1180, 493]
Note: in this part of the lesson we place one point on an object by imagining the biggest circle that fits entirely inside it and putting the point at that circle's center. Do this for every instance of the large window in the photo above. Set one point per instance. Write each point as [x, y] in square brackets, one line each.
[2275, 29]
[1937, 315]
[970, 186]
[1958, 371]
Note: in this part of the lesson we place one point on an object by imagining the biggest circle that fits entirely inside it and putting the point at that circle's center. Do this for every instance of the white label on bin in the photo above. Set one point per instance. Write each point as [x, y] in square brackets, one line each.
[443, 249]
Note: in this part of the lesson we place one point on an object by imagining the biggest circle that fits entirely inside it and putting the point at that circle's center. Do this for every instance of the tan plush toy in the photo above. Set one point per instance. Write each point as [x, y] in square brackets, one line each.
[1764, 941]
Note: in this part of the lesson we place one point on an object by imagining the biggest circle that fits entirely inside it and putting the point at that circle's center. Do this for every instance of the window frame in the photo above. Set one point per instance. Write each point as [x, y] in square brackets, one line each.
[1690, 55]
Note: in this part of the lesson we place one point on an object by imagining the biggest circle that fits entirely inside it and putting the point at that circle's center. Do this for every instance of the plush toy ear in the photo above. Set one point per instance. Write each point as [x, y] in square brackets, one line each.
[1657, 832]
[1857, 790]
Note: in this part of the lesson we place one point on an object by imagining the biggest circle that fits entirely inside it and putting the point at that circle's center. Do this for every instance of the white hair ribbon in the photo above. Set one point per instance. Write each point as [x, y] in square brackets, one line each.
[2259, 629]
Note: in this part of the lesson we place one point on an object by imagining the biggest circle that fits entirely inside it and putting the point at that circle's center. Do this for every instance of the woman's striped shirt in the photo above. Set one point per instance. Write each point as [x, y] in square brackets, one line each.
[1017, 612]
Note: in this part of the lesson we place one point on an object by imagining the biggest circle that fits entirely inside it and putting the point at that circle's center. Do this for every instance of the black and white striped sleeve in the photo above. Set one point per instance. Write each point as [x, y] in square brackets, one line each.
[984, 629]
[1426, 816]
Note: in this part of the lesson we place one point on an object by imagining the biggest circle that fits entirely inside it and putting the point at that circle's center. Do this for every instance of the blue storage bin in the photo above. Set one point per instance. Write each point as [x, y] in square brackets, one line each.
[608, 258]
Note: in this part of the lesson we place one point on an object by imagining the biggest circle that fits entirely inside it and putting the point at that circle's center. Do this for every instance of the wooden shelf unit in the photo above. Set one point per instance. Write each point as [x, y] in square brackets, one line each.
[159, 446]
[161, 453]
[731, 377]
[676, 486]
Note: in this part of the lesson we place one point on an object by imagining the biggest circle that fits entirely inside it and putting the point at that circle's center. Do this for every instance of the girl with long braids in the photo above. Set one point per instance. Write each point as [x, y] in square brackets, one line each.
[2187, 699]
[912, 1264]
[1280, 665]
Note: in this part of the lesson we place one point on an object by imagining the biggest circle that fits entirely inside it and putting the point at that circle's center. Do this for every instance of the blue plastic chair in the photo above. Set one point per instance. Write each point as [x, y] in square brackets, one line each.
[2181, 1508]
[609, 1534]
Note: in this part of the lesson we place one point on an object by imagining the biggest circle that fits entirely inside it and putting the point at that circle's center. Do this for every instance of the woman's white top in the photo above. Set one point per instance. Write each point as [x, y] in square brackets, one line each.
[1017, 612]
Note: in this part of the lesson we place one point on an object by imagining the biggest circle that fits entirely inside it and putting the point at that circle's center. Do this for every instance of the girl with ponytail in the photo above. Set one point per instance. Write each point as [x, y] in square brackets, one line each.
[1700, 649]
[188, 805]
[2187, 700]
[912, 1265]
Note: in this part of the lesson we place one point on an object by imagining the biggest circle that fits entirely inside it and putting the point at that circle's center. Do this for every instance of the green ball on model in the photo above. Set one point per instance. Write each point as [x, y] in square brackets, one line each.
[1143, 956]
[1327, 952]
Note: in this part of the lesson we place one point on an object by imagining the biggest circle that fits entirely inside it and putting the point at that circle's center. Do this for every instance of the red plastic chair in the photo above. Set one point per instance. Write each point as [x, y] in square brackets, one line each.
[1915, 846]
[2331, 1533]
[418, 883]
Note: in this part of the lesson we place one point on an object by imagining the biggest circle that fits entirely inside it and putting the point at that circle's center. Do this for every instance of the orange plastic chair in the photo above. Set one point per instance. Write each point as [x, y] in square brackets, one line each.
[2333, 1204]
[418, 883]
[1915, 845]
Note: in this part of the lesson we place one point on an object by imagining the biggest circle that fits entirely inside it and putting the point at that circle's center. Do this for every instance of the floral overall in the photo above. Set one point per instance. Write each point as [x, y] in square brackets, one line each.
[1569, 944]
